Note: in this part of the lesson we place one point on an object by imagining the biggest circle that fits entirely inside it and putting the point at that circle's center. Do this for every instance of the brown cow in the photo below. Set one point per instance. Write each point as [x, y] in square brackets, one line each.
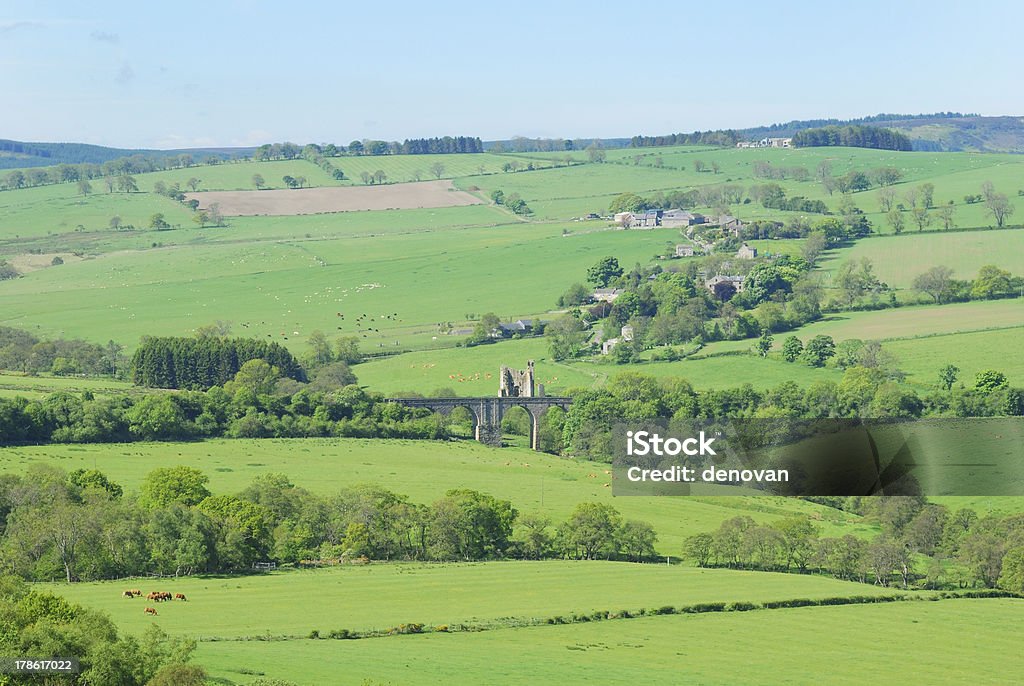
[127, 594]
[135, 592]
[180, 596]
[153, 595]
[151, 611]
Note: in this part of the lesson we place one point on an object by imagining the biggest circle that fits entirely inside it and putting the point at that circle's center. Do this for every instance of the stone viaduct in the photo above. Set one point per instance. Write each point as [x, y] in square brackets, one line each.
[517, 389]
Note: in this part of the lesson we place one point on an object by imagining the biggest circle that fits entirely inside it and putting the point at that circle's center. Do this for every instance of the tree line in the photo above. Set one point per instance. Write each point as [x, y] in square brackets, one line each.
[726, 138]
[201, 362]
[410, 146]
[867, 392]
[112, 170]
[81, 526]
[919, 543]
[853, 136]
[24, 352]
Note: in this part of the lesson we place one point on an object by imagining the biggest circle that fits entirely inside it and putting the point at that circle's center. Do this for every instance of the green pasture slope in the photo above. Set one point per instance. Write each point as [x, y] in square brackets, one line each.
[974, 335]
[922, 358]
[424, 471]
[946, 642]
[278, 287]
[279, 275]
[560, 193]
[899, 259]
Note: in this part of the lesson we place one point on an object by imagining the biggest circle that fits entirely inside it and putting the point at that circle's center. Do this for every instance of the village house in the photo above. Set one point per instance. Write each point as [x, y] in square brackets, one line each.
[730, 225]
[627, 333]
[606, 294]
[609, 345]
[746, 252]
[767, 143]
[724, 287]
[520, 326]
[684, 250]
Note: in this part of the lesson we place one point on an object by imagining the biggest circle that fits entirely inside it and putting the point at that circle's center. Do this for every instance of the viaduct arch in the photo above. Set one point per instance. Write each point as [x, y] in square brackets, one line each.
[517, 388]
[488, 413]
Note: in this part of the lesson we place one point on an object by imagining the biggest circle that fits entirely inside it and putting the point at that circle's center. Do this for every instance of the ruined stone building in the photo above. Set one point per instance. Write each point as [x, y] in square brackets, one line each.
[519, 383]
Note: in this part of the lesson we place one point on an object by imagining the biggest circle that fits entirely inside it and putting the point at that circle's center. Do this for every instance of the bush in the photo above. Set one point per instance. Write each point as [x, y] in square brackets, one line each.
[403, 629]
[704, 607]
[341, 634]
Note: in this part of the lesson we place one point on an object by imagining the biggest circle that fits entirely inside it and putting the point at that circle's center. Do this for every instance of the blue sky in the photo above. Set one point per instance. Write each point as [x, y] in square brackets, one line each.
[227, 72]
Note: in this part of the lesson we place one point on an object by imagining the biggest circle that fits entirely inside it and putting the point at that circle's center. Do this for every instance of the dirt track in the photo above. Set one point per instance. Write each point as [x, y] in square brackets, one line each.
[283, 202]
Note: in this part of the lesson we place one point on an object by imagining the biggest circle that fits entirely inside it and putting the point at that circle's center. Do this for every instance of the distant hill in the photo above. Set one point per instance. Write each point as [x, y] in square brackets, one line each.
[942, 131]
[18, 154]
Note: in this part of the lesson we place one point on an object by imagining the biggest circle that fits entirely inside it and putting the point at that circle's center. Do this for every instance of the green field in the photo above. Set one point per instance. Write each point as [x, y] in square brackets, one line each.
[921, 358]
[278, 287]
[953, 175]
[278, 275]
[898, 259]
[952, 641]
[905, 322]
[378, 596]
[38, 386]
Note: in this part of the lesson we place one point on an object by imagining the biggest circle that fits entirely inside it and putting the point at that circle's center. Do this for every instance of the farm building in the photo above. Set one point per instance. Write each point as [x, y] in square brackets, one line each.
[606, 294]
[670, 219]
[730, 224]
[609, 345]
[520, 326]
[680, 218]
[684, 250]
[746, 252]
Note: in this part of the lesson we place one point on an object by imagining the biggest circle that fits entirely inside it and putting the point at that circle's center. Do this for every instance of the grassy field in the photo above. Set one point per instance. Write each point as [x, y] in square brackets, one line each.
[276, 288]
[378, 596]
[471, 371]
[37, 386]
[921, 358]
[898, 259]
[424, 471]
[905, 322]
[647, 170]
[836, 645]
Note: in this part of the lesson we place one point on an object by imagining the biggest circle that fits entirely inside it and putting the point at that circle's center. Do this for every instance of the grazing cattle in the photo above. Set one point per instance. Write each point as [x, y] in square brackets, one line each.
[135, 592]
[152, 595]
[180, 596]
[127, 594]
[151, 611]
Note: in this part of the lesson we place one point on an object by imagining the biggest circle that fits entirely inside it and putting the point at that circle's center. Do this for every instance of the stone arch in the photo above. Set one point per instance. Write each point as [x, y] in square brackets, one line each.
[536, 412]
[474, 414]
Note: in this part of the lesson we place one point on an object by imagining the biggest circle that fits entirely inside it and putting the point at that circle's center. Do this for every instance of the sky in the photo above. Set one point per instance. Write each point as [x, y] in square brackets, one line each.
[241, 73]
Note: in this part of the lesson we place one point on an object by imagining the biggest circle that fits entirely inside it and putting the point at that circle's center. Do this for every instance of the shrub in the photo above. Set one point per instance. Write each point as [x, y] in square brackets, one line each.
[342, 634]
[741, 607]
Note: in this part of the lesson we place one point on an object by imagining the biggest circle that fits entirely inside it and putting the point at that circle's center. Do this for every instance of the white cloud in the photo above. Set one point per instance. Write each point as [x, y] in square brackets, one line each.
[12, 26]
[104, 37]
